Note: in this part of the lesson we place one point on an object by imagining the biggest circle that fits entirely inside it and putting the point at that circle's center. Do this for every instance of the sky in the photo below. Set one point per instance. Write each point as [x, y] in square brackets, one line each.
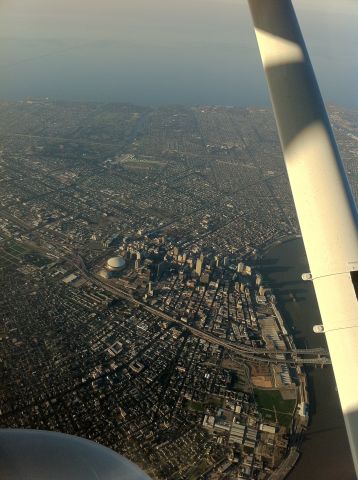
[163, 51]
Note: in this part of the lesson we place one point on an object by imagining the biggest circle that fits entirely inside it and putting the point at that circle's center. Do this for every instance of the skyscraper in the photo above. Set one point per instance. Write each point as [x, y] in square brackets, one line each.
[199, 266]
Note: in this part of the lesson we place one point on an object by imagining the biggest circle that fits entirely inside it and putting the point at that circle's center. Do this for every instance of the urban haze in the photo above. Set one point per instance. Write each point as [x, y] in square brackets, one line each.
[137, 308]
[163, 52]
[150, 254]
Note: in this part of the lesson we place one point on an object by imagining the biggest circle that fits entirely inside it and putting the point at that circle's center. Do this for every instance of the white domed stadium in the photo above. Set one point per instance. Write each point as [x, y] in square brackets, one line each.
[116, 264]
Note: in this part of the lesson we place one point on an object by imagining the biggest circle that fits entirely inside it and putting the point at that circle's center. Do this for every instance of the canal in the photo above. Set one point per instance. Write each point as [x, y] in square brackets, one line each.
[325, 450]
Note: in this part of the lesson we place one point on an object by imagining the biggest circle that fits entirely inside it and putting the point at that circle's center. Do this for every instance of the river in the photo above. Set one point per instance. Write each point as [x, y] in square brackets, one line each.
[325, 450]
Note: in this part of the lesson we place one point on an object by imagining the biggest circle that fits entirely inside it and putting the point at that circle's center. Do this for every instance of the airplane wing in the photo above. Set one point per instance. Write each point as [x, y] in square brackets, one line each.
[325, 206]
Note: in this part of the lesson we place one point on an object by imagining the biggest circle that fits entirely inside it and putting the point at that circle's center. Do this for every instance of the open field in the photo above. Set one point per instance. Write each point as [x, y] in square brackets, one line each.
[273, 407]
[11, 253]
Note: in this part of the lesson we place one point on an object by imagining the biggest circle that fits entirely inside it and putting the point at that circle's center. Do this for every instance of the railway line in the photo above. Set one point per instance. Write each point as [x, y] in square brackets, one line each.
[319, 356]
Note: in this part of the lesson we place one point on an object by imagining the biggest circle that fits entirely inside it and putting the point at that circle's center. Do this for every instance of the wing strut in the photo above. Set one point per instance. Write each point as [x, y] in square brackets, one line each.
[325, 206]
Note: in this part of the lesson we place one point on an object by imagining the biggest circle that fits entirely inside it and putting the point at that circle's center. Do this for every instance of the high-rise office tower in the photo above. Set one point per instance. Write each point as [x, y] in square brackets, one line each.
[199, 266]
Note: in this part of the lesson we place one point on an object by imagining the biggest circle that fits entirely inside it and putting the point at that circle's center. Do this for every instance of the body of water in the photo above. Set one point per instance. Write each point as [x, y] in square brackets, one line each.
[325, 450]
[162, 52]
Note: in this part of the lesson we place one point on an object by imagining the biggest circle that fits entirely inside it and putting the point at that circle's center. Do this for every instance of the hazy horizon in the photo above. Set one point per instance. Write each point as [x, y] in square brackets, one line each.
[162, 52]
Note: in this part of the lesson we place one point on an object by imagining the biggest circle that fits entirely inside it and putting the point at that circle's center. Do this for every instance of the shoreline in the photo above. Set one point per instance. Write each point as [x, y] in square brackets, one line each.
[279, 241]
[323, 446]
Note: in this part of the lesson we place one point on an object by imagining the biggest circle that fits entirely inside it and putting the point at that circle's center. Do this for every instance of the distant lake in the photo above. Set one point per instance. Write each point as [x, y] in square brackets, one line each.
[135, 73]
[159, 52]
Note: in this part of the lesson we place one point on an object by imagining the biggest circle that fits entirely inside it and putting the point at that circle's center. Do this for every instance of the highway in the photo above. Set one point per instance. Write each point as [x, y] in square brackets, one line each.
[292, 357]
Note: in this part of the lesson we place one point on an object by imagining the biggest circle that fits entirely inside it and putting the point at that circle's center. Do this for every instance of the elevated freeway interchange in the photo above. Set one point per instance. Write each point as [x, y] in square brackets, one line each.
[313, 356]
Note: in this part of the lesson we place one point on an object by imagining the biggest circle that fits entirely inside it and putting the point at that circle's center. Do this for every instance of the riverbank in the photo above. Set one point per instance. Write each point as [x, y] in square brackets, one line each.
[325, 449]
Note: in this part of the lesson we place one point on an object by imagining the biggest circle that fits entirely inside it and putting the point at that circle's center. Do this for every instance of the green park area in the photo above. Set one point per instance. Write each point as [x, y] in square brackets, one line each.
[196, 406]
[11, 253]
[273, 407]
[14, 253]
